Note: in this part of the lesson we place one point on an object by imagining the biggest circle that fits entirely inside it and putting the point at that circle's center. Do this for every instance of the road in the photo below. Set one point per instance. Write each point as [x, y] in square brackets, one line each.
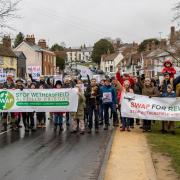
[45, 155]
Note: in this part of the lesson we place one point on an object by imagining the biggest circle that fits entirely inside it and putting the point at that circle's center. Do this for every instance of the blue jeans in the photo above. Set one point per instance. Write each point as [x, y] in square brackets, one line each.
[106, 112]
[58, 119]
[125, 122]
[101, 112]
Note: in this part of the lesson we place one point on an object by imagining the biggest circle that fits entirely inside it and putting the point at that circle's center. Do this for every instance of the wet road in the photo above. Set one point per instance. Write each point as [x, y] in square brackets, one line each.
[45, 155]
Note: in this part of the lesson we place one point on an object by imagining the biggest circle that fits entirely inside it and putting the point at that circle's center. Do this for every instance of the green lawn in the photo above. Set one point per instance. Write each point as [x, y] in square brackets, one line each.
[166, 143]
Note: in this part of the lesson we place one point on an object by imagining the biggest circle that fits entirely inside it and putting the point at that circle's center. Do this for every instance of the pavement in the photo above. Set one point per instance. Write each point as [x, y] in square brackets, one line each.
[130, 158]
[45, 155]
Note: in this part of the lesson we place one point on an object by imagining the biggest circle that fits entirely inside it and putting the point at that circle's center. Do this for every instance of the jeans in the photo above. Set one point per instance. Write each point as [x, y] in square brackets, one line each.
[125, 122]
[112, 107]
[28, 119]
[93, 110]
[58, 119]
[101, 112]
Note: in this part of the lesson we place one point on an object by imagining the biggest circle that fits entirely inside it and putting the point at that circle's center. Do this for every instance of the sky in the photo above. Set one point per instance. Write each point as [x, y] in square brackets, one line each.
[76, 22]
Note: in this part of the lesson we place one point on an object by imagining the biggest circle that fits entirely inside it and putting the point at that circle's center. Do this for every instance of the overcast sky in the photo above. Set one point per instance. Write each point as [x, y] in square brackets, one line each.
[85, 21]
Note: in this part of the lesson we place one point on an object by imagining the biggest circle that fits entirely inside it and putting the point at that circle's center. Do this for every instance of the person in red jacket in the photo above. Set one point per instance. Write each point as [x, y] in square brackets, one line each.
[123, 78]
[168, 68]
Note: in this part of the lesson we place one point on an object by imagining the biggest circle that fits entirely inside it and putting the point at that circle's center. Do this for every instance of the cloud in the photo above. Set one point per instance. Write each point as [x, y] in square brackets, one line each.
[85, 21]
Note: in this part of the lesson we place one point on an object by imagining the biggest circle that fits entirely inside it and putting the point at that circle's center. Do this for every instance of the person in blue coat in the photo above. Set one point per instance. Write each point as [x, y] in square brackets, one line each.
[109, 100]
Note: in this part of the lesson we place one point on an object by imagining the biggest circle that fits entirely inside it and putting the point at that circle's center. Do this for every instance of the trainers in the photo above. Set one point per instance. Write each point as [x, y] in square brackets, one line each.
[123, 129]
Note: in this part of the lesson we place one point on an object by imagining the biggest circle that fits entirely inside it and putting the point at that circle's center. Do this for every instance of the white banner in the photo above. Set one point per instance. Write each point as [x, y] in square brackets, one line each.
[155, 108]
[39, 100]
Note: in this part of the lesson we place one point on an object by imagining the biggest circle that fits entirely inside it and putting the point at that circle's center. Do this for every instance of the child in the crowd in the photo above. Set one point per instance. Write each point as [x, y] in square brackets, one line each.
[41, 116]
[79, 115]
[126, 120]
[169, 126]
[168, 68]
[58, 116]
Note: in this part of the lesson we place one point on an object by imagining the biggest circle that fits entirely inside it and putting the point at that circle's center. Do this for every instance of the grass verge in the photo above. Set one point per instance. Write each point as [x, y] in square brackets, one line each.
[166, 143]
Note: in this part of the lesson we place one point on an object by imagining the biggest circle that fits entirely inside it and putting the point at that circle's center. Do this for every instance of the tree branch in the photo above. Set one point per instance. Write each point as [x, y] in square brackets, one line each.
[8, 10]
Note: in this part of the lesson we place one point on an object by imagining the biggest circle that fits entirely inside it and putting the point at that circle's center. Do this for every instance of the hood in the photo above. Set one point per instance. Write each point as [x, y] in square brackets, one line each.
[167, 61]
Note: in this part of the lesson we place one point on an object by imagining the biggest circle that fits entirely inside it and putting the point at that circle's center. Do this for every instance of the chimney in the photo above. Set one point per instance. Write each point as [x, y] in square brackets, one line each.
[7, 41]
[147, 47]
[30, 39]
[172, 36]
[153, 45]
[163, 44]
[42, 43]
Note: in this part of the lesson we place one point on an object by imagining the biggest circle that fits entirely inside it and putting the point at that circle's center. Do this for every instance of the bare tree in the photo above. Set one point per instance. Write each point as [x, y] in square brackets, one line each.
[176, 9]
[8, 11]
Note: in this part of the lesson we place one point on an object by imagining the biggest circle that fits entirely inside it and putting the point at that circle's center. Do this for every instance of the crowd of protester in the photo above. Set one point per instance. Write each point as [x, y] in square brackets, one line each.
[98, 103]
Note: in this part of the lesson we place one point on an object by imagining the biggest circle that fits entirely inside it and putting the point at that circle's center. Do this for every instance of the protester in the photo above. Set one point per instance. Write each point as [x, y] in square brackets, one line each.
[58, 116]
[9, 84]
[20, 85]
[164, 83]
[67, 84]
[123, 78]
[118, 87]
[41, 116]
[109, 99]
[169, 126]
[168, 68]
[79, 115]
[92, 95]
[125, 120]
[151, 91]
[137, 90]
[163, 89]
[101, 106]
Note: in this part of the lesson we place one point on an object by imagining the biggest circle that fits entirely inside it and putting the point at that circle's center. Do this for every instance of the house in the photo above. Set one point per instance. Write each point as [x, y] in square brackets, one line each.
[39, 60]
[73, 55]
[86, 53]
[8, 60]
[82, 54]
[21, 64]
[48, 59]
[109, 62]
